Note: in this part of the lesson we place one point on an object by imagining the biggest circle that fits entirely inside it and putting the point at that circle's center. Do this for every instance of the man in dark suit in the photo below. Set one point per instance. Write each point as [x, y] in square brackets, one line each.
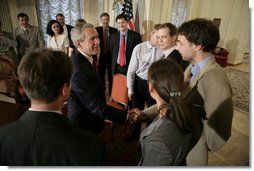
[67, 30]
[87, 103]
[122, 44]
[105, 32]
[167, 35]
[43, 136]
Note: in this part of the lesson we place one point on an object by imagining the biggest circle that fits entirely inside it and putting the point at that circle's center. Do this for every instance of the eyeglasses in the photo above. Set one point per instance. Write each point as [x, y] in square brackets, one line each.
[9, 76]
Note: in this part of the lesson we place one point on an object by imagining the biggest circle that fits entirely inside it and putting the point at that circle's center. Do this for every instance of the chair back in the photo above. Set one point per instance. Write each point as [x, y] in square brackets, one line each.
[119, 92]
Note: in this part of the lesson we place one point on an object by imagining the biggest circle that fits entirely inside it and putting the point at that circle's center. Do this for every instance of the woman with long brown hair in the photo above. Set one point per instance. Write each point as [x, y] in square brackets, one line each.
[168, 139]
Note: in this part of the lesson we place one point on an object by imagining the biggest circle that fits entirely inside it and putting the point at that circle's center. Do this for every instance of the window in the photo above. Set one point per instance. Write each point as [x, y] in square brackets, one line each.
[48, 9]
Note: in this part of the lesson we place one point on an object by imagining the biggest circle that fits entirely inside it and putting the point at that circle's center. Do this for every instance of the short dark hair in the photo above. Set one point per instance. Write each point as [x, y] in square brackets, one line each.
[104, 14]
[22, 15]
[202, 32]
[172, 28]
[60, 15]
[49, 30]
[43, 73]
[121, 16]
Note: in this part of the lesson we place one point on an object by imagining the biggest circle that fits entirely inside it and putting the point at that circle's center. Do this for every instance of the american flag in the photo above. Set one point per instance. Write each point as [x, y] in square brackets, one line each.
[127, 10]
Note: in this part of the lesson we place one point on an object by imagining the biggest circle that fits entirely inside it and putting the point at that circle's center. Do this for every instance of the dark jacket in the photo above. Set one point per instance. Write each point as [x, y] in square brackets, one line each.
[133, 38]
[49, 139]
[87, 102]
[104, 59]
[175, 55]
[69, 27]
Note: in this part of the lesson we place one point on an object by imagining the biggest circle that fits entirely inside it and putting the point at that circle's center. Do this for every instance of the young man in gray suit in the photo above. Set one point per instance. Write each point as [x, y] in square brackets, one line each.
[43, 136]
[207, 88]
[28, 37]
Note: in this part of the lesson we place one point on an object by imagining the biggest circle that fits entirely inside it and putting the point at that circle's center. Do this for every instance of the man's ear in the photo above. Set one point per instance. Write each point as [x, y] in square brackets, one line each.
[65, 90]
[174, 38]
[198, 47]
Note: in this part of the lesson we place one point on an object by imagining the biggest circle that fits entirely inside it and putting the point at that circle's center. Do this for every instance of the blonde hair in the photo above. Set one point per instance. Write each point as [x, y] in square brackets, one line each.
[4, 63]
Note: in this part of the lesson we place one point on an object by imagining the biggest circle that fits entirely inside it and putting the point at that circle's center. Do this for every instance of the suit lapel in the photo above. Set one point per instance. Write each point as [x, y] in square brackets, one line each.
[129, 39]
[150, 129]
[195, 80]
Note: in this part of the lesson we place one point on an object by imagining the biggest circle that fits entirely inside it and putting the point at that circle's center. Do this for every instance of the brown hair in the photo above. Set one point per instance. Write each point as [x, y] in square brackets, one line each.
[104, 14]
[43, 73]
[202, 32]
[156, 26]
[4, 62]
[167, 78]
[172, 28]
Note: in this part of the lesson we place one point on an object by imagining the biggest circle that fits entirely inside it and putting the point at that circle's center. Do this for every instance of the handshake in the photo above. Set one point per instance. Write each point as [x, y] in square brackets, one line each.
[135, 115]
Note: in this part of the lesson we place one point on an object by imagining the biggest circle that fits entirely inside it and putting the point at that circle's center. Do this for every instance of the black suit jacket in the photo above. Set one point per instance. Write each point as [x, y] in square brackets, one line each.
[133, 38]
[104, 59]
[49, 139]
[87, 102]
[175, 55]
[69, 27]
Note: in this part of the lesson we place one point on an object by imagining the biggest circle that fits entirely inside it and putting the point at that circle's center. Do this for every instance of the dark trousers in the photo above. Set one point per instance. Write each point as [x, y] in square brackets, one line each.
[142, 98]
[142, 95]
[105, 65]
[121, 69]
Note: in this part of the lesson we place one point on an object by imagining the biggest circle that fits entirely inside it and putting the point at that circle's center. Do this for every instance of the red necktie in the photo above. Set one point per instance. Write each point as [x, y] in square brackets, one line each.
[122, 49]
[105, 42]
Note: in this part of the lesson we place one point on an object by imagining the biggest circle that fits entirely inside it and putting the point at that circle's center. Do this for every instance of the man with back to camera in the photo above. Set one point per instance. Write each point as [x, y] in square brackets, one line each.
[105, 31]
[43, 136]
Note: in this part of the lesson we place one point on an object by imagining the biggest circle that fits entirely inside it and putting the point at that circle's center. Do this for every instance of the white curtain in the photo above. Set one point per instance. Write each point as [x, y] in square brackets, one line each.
[117, 7]
[48, 9]
[5, 17]
[179, 11]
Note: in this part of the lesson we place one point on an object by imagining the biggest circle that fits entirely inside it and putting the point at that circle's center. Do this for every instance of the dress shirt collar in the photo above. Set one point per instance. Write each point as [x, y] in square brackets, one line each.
[105, 28]
[196, 68]
[124, 33]
[89, 58]
[40, 110]
[168, 51]
[25, 28]
[149, 45]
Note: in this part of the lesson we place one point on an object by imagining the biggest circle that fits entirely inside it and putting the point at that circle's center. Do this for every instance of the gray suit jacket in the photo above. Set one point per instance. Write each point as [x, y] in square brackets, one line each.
[210, 93]
[27, 42]
[162, 144]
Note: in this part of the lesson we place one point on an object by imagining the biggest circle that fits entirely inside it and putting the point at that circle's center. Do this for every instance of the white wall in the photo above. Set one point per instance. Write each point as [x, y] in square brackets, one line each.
[234, 14]
[234, 26]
